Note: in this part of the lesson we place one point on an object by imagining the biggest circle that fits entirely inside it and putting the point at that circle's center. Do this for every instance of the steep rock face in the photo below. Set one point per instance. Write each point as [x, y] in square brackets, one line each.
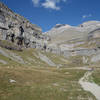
[63, 33]
[20, 31]
[95, 33]
[82, 41]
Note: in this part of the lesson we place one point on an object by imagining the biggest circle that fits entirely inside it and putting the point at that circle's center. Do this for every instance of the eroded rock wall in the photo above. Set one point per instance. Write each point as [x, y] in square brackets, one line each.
[20, 31]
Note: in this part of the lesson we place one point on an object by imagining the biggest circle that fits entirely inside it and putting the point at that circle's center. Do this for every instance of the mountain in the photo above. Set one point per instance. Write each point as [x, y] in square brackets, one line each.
[73, 41]
[63, 33]
[18, 30]
[50, 66]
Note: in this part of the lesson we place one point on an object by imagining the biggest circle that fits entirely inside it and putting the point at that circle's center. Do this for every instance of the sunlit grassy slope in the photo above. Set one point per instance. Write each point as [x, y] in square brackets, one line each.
[41, 84]
[34, 79]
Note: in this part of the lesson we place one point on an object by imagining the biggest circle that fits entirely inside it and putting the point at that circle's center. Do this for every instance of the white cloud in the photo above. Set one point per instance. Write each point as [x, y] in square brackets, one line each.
[35, 2]
[51, 4]
[86, 16]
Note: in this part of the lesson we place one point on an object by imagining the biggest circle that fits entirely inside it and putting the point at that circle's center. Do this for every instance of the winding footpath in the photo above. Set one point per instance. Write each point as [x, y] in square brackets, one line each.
[88, 86]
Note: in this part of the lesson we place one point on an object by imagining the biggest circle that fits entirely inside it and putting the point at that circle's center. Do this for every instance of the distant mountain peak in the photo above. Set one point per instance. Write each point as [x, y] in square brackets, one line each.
[89, 23]
[61, 25]
[65, 32]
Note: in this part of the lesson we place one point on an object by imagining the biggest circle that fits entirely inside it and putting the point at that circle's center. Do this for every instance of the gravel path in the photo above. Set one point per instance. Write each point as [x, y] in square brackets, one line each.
[88, 86]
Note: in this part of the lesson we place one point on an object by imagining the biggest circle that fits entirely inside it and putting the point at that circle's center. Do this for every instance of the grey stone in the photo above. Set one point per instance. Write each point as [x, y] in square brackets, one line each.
[24, 33]
[46, 60]
[12, 56]
[96, 58]
[3, 62]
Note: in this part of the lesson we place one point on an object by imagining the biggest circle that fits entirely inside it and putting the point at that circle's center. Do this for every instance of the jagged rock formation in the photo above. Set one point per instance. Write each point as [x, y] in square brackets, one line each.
[20, 31]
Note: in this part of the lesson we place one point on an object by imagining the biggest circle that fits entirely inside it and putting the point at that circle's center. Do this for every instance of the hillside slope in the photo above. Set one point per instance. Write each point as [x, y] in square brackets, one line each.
[35, 67]
[19, 30]
[62, 33]
[34, 74]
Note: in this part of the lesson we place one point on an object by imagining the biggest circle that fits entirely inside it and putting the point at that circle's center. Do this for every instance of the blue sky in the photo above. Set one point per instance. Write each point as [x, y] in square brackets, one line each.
[48, 13]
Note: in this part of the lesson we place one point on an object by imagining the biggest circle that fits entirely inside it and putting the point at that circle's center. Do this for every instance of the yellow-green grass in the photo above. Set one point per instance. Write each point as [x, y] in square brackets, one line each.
[76, 61]
[36, 80]
[6, 43]
[96, 76]
[34, 83]
[31, 58]
[57, 59]
[25, 54]
[33, 54]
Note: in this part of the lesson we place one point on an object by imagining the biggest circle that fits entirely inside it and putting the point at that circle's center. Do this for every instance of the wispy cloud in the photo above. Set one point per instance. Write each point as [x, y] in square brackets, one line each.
[51, 4]
[36, 2]
[86, 16]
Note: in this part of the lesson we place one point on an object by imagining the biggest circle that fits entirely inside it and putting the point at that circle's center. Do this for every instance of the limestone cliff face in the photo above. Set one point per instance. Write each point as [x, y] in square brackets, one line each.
[76, 41]
[63, 32]
[20, 31]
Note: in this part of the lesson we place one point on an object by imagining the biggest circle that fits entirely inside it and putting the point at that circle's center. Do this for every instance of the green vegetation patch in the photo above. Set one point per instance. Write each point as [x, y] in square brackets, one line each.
[96, 76]
[41, 84]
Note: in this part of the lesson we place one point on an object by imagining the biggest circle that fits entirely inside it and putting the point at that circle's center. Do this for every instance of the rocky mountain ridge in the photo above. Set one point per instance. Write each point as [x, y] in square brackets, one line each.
[66, 32]
[72, 41]
[17, 33]
[18, 30]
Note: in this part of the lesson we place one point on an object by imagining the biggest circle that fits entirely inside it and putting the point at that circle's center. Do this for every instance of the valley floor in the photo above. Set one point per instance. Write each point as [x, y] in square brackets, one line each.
[28, 75]
[40, 83]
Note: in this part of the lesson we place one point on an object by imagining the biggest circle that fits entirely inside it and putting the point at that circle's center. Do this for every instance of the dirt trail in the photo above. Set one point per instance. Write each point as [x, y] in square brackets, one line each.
[88, 86]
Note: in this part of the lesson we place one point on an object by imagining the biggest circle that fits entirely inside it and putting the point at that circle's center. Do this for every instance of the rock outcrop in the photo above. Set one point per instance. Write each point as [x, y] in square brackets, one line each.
[76, 41]
[20, 31]
[63, 32]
